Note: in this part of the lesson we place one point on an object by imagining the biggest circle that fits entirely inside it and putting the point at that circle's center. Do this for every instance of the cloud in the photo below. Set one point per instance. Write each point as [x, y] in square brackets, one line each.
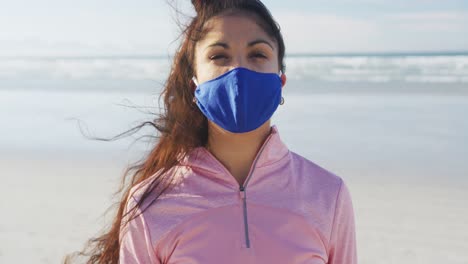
[86, 33]
[430, 21]
[324, 32]
[150, 29]
[416, 31]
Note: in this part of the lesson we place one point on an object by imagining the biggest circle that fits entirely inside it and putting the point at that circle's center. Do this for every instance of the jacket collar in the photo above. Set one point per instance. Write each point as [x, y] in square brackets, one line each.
[272, 151]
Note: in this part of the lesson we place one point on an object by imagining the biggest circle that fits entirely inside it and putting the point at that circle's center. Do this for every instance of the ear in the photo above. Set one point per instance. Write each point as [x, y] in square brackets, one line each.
[283, 80]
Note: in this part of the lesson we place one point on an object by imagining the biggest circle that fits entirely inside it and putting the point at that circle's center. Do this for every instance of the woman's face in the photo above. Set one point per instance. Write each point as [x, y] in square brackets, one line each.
[234, 41]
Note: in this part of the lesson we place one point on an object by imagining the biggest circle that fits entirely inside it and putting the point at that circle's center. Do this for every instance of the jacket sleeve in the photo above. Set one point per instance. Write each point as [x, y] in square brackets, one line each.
[343, 235]
[135, 241]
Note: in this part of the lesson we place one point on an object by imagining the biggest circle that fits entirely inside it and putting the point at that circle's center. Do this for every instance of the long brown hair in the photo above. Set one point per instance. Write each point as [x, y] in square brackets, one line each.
[181, 126]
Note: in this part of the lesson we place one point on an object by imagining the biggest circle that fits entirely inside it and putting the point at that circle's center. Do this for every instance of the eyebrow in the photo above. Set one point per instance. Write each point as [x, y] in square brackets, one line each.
[218, 44]
[250, 44]
[259, 41]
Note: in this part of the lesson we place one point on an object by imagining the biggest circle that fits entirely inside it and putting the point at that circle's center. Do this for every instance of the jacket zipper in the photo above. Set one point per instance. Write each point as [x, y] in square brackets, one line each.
[243, 192]
[246, 226]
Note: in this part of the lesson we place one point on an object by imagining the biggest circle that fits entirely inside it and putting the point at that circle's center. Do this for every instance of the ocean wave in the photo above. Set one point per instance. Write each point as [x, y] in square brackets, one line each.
[421, 69]
[82, 69]
[365, 69]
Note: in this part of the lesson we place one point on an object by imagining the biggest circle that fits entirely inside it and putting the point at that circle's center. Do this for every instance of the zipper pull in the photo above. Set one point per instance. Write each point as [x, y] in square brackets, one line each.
[242, 192]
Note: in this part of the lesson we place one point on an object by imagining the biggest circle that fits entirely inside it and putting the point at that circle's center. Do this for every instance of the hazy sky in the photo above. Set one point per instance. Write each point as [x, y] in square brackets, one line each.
[117, 27]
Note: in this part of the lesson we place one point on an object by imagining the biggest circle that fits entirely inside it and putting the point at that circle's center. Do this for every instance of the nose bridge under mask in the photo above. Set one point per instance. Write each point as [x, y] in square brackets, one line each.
[195, 80]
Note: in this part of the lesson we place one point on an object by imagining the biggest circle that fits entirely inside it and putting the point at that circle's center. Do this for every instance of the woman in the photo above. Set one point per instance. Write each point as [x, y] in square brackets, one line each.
[220, 186]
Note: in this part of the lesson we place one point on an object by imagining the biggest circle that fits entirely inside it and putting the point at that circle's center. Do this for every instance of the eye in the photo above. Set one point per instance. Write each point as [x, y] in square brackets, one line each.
[258, 55]
[218, 56]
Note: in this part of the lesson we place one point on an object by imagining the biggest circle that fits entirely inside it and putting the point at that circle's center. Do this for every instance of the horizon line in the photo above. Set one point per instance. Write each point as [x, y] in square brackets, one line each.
[291, 55]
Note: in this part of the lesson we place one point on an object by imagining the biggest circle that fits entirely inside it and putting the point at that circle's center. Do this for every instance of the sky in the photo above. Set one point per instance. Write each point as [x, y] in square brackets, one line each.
[147, 27]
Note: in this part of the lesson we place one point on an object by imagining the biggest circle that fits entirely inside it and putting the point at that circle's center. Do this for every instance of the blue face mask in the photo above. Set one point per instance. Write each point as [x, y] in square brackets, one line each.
[240, 100]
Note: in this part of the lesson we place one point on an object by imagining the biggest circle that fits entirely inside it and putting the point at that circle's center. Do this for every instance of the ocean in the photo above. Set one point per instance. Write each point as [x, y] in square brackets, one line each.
[381, 116]
[408, 72]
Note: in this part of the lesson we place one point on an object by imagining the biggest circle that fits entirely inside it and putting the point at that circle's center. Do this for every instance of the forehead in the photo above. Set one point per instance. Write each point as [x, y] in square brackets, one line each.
[235, 28]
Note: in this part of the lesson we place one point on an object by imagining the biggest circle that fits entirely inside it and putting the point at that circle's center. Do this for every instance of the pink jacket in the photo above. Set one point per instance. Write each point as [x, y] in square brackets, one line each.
[289, 211]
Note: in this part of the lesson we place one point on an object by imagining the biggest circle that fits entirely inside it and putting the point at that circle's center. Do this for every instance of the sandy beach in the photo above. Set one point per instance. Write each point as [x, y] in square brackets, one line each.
[51, 206]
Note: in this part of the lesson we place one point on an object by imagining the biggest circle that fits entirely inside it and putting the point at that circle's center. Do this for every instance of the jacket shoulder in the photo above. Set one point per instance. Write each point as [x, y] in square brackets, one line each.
[165, 206]
[310, 172]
